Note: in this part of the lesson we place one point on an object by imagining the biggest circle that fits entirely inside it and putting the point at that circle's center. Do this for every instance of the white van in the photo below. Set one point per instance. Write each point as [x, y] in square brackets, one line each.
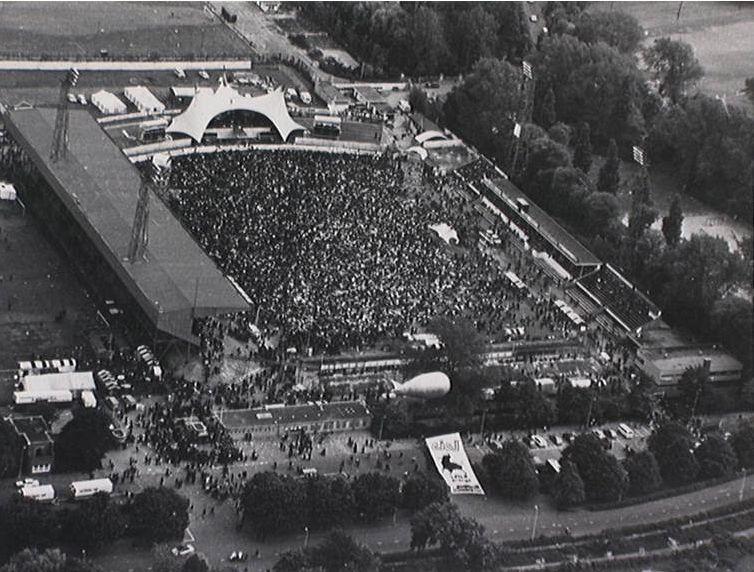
[306, 97]
[626, 431]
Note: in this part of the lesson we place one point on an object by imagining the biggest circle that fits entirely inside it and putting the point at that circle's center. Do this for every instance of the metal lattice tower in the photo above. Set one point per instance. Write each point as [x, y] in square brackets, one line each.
[157, 176]
[60, 133]
[518, 151]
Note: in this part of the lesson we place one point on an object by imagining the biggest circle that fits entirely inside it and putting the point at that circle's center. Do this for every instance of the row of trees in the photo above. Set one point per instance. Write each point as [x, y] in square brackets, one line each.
[424, 39]
[155, 514]
[276, 503]
[674, 457]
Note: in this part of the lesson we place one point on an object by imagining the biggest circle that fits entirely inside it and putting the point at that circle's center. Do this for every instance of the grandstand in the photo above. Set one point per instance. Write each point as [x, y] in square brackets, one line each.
[620, 299]
[88, 203]
[598, 288]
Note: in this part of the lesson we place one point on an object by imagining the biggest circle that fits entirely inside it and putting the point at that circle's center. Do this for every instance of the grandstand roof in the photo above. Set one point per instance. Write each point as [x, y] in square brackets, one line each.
[100, 186]
[208, 104]
[547, 227]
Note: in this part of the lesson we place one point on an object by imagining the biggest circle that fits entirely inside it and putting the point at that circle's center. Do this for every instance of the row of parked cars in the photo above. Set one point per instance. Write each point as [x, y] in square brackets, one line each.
[558, 440]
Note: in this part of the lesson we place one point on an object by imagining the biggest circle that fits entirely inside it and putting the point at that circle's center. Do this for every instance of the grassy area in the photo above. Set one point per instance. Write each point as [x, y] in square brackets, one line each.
[124, 29]
[722, 34]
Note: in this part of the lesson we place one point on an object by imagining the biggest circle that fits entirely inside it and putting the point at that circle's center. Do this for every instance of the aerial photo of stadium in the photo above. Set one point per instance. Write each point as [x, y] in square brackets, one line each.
[373, 286]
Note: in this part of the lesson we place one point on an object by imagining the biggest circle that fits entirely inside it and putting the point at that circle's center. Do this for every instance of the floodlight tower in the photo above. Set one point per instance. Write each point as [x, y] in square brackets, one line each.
[523, 117]
[60, 133]
[156, 177]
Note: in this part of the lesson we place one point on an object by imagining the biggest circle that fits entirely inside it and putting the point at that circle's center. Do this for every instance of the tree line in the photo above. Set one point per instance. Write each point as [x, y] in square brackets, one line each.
[155, 515]
[590, 473]
[275, 504]
[423, 39]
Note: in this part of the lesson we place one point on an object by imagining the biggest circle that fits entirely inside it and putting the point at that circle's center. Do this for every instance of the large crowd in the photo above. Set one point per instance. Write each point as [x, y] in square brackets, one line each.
[333, 250]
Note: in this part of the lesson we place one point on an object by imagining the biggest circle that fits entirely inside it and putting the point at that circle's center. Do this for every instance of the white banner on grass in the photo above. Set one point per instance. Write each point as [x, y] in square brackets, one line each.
[453, 465]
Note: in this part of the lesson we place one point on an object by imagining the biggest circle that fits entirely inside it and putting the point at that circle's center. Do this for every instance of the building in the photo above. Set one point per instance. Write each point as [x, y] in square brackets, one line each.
[272, 422]
[666, 366]
[88, 203]
[37, 444]
[336, 102]
[144, 100]
[368, 96]
[108, 103]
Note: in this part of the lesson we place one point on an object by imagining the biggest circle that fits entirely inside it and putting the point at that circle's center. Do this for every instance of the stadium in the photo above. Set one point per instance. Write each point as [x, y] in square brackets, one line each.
[286, 262]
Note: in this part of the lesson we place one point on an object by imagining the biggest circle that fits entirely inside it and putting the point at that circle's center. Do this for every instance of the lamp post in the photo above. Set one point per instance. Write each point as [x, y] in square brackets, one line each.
[534, 524]
[743, 486]
[306, 537]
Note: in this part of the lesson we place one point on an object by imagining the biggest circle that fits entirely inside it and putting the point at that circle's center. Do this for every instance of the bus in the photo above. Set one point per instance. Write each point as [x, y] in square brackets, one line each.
[85, 489]
[39, 493]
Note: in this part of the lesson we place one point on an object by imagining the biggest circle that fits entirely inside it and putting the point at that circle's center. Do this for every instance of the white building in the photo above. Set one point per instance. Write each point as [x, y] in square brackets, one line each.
[144, 100]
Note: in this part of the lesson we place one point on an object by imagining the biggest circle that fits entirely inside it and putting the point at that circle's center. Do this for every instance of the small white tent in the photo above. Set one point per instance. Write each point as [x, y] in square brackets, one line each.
[108, 103]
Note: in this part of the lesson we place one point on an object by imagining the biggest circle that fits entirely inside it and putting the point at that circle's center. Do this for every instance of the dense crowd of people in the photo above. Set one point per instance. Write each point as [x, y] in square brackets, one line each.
[332, 248]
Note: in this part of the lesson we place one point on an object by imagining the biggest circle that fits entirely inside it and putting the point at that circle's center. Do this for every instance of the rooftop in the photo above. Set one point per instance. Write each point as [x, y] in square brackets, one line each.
[678, 360]
[546, 225]
[100, 187]
[368, 94]
[33, 427]
[295, 413]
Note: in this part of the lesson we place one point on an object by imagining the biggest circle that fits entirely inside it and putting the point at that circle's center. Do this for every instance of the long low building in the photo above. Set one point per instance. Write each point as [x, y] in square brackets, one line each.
[88, 200]
[666, 366]
[272, 422]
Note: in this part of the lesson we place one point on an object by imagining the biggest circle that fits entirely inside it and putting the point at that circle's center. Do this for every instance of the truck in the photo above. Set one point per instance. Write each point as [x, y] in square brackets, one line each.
[85, 489]
[39, 493]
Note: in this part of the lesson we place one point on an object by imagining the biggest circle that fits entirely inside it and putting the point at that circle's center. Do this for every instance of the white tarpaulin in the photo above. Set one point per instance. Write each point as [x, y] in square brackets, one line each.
[453, 465]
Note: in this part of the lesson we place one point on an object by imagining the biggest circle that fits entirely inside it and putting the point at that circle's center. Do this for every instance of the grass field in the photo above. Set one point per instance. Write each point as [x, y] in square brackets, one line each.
[126, 29]
[722, 34]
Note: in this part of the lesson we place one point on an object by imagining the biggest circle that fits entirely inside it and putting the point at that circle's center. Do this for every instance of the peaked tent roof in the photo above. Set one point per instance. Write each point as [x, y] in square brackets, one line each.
[208, 104]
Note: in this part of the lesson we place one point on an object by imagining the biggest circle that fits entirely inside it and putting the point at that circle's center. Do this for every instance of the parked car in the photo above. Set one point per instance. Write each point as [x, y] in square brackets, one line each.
[238, 556]
[557, 440]
[626, 431]
[203, 74]
[611, 434]
[183, 550]
[538, 441]
[27, 482]
[82, 99]
[72, 98]
[179, 73]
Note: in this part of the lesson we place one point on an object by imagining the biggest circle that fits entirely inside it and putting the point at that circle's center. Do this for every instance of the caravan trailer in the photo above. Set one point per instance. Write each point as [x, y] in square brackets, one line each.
[39, 493]
[85, 489]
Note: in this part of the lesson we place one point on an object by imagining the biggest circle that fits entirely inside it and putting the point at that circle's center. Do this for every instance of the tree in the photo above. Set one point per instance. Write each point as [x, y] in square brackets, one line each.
[51, 560]
[83, 441]
[582, 149]
[376, 495]
[743, 444]
[461, 539]
[9, 450]
[547, 114]
[695, 393]
[512, 471]
[274, 503]
[716, 457]
[462, 345]
[604, 478]
[674, 65]
[643, 473]
[608, 180]
[195, 563]
[673, 447]
[94, 523]
[338, 552]
[25, 524]
[532, 408]
[615, 28]
[642, 213]
[672, 223]
[600, 212]
[575, 404]
[732, 323]
[163, 560]
[159, 514]
[481, 109]
[749, 89]
[569, 487]
[329, 501]
[422, 489]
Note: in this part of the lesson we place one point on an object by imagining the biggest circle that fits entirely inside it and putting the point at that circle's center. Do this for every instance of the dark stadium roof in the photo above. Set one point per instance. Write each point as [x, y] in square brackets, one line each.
[547, 227]
[99, 185]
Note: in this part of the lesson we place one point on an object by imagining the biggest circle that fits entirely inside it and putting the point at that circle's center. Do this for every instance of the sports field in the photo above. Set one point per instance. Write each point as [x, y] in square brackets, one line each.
[52, 30]
[722, 34]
